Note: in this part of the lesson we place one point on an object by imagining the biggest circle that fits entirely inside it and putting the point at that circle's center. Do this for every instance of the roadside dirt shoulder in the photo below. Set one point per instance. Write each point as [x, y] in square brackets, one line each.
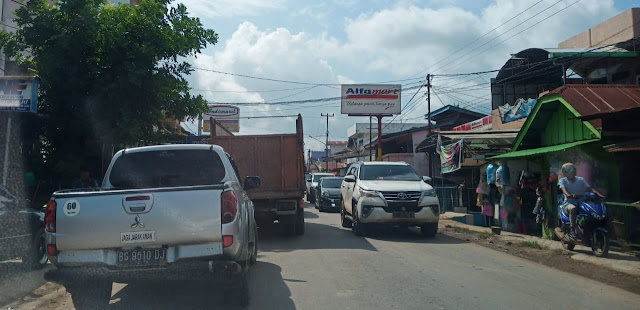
[555, 258]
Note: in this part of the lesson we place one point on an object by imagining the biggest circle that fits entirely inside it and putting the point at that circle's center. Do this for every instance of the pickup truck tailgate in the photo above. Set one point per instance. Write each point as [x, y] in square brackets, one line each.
[139, 218]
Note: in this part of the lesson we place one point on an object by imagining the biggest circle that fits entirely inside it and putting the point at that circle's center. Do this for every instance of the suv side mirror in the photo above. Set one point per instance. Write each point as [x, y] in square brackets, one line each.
[426, 179]
[251, 182]
[350, 179]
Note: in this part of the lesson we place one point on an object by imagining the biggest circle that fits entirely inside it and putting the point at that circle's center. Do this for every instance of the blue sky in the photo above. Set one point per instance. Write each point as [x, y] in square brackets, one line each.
[346, 41]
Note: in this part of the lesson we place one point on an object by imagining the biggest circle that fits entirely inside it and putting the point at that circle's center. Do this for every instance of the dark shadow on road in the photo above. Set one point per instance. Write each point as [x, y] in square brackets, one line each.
[309, 215]
[411, 235]
[316, 237]
[267, 290]
[17, 282]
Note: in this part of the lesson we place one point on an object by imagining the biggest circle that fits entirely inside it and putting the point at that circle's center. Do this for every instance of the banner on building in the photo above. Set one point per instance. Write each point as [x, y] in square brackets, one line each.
[485, 123]
[19, 94]
[226, 115]
[521, 109]
[370, 99]
[451, 156]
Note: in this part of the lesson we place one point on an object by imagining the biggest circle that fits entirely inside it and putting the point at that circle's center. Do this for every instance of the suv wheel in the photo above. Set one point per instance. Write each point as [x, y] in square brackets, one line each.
[358, 228]
[346, 223]
[429, 229]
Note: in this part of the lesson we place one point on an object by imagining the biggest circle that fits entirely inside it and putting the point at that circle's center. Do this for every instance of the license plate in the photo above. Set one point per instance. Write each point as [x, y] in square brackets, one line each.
[150, 257]
[138, 236]
[333, 204]
[404, 215]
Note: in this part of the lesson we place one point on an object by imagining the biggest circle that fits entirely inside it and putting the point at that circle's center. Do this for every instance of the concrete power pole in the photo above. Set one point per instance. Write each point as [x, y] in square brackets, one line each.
[326, 146]
[429, 120]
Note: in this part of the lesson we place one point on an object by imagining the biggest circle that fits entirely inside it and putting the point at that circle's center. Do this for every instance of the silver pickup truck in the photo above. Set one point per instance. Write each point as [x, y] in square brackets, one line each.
[163, 212]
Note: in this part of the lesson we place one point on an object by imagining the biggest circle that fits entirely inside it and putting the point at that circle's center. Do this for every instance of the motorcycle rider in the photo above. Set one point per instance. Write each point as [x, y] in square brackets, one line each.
[572, 185]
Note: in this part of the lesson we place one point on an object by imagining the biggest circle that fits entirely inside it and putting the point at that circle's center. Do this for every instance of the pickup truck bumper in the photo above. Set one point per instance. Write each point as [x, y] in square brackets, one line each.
[216, 270]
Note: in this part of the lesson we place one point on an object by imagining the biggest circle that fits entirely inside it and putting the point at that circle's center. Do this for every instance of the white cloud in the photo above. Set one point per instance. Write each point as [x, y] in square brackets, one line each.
[229, 8]
[383, 45]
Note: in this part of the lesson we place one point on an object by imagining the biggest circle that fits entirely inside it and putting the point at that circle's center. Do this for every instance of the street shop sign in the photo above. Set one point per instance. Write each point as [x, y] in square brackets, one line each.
[370, 99]
[226, 115]
[451, 156]
[484, 123]
[19, 93]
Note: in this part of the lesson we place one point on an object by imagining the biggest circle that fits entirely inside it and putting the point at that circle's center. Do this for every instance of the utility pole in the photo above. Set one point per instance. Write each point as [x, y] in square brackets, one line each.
[429, 121]
[326, 146]
[309, 160]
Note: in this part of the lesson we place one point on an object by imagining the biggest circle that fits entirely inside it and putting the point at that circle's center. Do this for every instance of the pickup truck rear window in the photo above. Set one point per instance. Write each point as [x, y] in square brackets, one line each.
[167, 169]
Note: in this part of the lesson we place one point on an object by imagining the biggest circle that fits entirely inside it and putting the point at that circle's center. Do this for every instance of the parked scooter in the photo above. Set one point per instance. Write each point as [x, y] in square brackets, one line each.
[591, 228]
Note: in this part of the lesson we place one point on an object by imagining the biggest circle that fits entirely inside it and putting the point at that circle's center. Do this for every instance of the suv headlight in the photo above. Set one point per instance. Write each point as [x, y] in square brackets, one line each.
[368, 193]
[429, 193]
[325, 193]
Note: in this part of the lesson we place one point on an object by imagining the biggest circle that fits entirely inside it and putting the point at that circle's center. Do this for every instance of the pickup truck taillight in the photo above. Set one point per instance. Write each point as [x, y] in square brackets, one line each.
[50, 216]
[229, 206]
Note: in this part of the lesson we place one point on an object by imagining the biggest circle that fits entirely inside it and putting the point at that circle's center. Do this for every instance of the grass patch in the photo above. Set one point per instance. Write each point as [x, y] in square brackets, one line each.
[558, 251]
[533, 245]
[462, 230]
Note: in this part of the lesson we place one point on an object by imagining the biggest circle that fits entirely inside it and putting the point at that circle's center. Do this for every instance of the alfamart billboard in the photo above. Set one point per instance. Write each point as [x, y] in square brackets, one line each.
[370, 99]
[226, 115]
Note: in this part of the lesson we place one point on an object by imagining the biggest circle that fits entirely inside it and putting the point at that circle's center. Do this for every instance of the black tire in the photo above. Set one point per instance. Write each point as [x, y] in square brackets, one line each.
[568, 245]
[600, 244]
[299, 223]
[36, 256]
[346, 223]
[429, 230]
[289, 225]
[90, 295]
[254, 255]
[358, 228]
[238, 295]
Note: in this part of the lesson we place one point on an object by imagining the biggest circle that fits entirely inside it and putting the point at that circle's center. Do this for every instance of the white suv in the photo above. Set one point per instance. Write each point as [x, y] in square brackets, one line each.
[388, 193]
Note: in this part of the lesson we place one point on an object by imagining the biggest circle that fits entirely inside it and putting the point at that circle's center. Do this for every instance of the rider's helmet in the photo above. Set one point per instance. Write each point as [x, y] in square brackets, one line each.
[568, 169]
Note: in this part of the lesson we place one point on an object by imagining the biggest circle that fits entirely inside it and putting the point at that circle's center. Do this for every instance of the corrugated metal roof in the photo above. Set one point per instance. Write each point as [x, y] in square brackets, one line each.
[590, 99]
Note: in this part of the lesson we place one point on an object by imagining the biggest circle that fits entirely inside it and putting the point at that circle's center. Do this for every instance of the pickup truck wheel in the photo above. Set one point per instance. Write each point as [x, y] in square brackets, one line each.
[346, 223]
[300, 223]
[36, 256]
[90, 295]
[429, 230]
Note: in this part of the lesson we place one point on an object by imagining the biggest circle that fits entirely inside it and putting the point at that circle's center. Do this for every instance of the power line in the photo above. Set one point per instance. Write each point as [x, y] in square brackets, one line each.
[535, 24]
[288, 81]
[327, 99]
[476, 40]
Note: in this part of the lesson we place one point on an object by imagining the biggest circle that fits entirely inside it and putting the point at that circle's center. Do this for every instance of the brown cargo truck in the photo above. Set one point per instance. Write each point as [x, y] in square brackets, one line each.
[279, 162]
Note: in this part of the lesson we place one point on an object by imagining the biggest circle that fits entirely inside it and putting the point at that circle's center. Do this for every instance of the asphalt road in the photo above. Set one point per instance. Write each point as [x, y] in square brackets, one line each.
[330, 268]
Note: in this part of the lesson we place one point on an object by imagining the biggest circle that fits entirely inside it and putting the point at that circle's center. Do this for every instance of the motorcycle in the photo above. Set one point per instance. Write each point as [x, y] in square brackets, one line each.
[591, 228]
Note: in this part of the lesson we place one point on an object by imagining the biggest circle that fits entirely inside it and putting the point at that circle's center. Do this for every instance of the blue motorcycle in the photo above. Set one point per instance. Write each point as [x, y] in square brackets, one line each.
[591, 230]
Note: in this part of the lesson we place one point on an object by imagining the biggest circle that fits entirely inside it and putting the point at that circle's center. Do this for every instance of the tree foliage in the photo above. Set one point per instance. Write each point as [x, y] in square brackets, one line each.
[108, 73]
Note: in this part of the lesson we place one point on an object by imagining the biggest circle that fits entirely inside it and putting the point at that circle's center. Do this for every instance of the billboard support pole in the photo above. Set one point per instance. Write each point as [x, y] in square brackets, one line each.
[212, 129]
[370, 134]
[379, 137]
[5, 164]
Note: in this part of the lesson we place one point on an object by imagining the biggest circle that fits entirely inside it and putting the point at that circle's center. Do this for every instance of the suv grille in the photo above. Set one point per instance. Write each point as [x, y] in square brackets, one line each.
[402, 196]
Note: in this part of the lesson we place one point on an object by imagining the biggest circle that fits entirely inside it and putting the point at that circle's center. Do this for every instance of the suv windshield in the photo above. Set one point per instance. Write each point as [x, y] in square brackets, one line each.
[331, 183]
[167, 169]
[388, 172]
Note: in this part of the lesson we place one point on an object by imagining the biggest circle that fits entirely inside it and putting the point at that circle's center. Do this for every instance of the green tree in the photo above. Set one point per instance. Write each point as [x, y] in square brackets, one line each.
[108, 73]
